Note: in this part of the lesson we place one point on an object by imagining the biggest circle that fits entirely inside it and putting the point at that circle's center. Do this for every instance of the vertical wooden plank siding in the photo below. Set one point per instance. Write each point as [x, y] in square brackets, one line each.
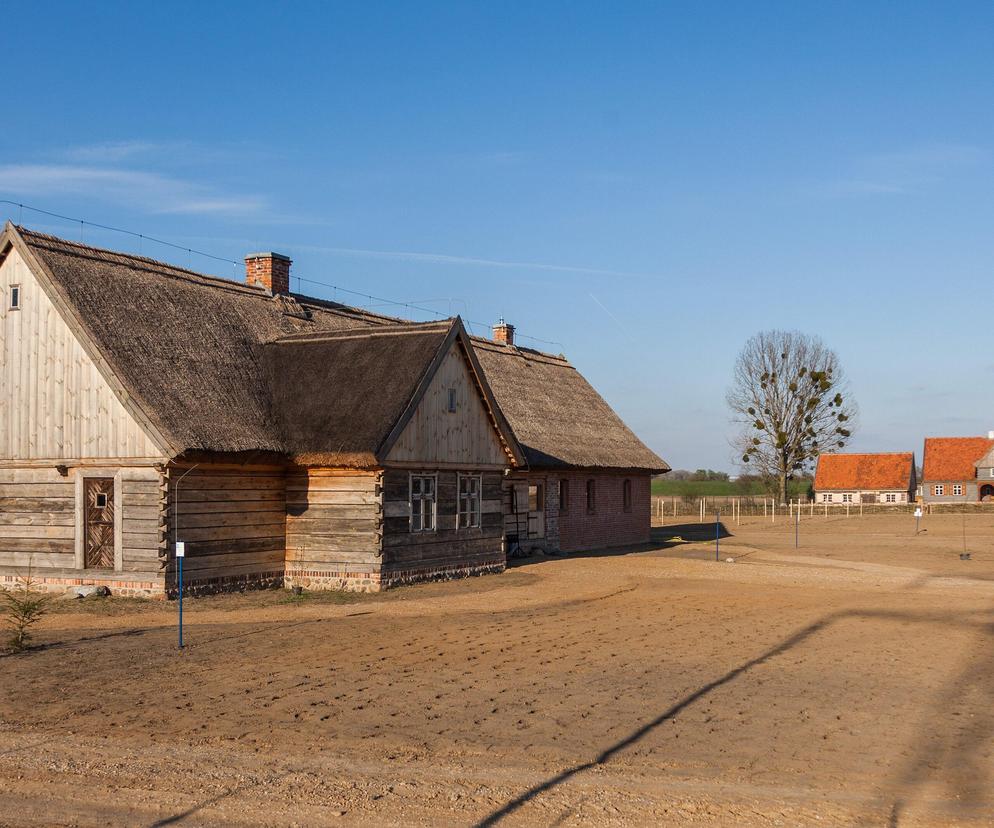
[55, 403]
[437, 435]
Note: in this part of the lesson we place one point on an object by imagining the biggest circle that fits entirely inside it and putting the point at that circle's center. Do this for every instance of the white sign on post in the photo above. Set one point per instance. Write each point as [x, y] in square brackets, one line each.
[180, 549]
[918, 513]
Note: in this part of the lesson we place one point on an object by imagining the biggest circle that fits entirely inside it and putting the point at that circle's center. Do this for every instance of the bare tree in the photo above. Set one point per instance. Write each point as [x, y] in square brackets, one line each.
[790, 397]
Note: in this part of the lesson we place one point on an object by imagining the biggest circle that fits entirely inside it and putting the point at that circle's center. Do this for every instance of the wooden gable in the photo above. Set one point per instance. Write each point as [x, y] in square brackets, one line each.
[55, 404]
[437, 436]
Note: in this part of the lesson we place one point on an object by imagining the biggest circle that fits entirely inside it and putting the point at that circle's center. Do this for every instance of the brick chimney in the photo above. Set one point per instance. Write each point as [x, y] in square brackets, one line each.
[268, 270]
[504, 333]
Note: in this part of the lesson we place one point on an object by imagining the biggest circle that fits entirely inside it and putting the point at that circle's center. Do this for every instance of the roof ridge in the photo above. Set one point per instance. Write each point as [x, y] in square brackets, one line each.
[516, 350]
[366, 333]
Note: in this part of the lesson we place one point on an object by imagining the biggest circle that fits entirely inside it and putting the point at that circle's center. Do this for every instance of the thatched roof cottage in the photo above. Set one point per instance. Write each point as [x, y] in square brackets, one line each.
[284, 439]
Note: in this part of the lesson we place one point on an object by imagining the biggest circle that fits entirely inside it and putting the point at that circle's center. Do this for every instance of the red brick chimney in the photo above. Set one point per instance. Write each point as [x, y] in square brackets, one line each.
[268, 270]
[504, 333]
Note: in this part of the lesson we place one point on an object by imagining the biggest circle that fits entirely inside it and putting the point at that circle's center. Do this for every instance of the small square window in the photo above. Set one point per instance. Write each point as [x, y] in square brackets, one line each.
[847, 498]
[957, 489]
[101, 500]
[15, 297]
[938, 490]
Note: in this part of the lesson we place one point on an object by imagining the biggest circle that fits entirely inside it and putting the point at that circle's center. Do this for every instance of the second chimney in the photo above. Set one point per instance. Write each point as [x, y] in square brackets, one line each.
[268, 270]
[504, 333]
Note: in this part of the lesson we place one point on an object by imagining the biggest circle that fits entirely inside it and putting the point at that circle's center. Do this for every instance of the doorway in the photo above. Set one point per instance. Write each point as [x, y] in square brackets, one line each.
[98, 523]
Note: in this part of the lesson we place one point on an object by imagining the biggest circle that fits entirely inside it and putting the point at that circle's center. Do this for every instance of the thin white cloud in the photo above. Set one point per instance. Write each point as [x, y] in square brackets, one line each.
[902, 172]
[150, 191]
[447, 259]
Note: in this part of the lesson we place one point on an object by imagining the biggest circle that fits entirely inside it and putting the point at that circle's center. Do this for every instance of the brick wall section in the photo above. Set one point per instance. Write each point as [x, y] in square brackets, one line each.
[609, 524]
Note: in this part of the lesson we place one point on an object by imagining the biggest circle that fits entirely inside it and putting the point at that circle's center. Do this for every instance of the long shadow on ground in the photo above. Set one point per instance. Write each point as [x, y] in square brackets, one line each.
[973, 787]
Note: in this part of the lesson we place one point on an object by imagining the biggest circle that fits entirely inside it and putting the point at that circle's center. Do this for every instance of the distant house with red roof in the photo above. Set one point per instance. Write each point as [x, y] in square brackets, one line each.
[866, 478]
[958, 469]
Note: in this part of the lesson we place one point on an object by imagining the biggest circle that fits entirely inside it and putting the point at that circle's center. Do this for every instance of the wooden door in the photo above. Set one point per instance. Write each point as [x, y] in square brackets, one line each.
[98, 523]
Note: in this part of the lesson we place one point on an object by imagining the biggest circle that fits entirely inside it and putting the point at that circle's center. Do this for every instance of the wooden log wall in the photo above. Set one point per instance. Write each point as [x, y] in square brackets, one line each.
[447, 547]
[37, 519]
[334, 521]
[233, 521]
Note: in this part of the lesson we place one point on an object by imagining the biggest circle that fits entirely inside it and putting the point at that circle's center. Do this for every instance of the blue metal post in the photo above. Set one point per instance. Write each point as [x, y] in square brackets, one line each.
[180, 562]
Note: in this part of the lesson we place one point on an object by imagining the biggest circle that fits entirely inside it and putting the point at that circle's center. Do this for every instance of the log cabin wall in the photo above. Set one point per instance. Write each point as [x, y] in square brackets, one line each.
[334, 529]
[447, 551]
[42, 528]
[233, 522]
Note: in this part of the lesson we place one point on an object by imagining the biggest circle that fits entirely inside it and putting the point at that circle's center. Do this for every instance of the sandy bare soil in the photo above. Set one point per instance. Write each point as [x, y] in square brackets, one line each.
[847, 682]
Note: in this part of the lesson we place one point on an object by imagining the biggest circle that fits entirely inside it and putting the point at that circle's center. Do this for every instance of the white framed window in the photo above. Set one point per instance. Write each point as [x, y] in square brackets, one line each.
[890, 497]
[15, 297]
[847, 498]
[957, 489]
[938, 490]
[992, 472]
[424, 505]
[470, 486]
[826, 498]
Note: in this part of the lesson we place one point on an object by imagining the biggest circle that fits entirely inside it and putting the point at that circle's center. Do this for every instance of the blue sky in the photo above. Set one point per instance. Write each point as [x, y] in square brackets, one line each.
[645, 185]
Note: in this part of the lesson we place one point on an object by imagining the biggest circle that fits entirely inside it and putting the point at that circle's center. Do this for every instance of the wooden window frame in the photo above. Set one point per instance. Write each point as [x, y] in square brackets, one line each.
[433, 476]
[563, 495]
[15, 297]
[539, 497]
[474, 516]
[626, 495]
[452, 401]
[591, 497]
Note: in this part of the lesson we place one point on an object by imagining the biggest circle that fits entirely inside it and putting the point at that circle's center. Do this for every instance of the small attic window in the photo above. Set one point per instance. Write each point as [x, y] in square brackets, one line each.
[15, 297]
[452, 401]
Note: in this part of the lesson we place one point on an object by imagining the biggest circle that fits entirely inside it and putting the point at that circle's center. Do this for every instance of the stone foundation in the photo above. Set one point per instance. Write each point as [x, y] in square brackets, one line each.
[196, 587]
[64, 585]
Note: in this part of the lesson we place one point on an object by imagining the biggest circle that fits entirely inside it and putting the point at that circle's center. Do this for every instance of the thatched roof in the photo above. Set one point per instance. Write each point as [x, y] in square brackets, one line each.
[215, 365]
[371, 376]
[212, 365]
[557, 417]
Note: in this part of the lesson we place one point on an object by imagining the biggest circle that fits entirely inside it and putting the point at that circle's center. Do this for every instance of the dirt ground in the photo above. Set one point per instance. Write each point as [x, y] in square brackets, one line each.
[846, 682]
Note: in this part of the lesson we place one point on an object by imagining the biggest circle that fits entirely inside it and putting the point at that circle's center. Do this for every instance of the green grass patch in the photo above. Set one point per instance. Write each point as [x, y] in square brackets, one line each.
[722, 488]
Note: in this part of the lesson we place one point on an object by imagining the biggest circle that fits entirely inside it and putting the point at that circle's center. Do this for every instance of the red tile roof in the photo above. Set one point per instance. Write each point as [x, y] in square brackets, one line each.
[953, 458]
[864, 471]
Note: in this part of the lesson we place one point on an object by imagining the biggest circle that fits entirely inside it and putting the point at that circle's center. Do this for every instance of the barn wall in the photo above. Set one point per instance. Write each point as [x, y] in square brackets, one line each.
[55, 404]
[41, 527]
[448, 551]
[436, 435]
[233, 522]
[334, 529]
